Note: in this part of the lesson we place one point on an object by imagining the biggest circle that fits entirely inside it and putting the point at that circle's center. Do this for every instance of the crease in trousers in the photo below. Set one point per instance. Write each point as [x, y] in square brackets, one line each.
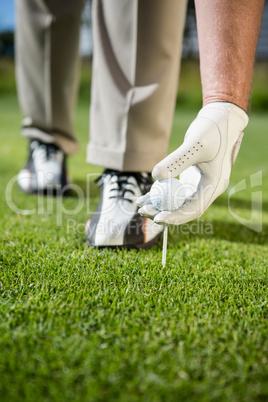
[137, 47]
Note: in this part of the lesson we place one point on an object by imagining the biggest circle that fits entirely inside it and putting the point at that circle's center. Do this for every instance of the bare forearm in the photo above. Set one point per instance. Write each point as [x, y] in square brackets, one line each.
[228, 32]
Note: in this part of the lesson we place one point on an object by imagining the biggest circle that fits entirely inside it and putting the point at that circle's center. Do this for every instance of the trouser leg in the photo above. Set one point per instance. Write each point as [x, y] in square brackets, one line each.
[137, 50]
[47, 50]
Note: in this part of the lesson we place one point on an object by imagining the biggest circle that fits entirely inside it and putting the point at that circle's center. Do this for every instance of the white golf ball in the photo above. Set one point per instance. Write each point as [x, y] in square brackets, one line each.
[167, 195]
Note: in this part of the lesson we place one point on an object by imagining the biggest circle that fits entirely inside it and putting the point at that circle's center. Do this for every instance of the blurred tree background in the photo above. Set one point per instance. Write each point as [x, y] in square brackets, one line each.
[189, 92]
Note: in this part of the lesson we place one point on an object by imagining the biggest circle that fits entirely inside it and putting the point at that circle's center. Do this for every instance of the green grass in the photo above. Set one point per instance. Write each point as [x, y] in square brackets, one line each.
[79, 324]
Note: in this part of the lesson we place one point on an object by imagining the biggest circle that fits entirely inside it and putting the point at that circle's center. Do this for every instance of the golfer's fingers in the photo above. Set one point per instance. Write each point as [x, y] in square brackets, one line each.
[201, 144]
[148, 211]
[144, 200]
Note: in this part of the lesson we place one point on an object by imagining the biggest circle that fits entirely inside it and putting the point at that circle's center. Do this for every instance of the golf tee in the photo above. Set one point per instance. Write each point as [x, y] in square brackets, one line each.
[164, 250]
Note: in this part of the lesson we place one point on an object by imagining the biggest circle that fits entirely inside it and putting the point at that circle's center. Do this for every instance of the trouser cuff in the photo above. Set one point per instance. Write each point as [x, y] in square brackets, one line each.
[123, 161]
[68, 145]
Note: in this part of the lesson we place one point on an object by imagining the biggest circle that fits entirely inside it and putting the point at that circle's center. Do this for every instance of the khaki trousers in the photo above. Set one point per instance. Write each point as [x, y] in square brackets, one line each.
[137, 50]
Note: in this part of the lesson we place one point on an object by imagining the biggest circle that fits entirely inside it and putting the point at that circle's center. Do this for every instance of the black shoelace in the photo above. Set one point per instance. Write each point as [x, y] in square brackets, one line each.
[144, 181]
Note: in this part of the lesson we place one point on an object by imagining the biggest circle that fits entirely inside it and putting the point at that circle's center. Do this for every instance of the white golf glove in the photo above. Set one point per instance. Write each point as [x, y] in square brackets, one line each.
[203, 161]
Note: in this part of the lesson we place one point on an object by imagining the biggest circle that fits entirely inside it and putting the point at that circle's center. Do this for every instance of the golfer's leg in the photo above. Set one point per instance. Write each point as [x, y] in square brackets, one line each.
[47, 40]
[137, 49]
[228, 32]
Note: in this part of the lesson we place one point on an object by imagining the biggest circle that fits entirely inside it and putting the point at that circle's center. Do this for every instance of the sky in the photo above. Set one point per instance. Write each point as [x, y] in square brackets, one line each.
[7, 15]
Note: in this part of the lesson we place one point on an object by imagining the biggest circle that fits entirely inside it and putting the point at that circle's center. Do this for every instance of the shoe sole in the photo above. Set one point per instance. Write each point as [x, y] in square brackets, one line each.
[143, 246]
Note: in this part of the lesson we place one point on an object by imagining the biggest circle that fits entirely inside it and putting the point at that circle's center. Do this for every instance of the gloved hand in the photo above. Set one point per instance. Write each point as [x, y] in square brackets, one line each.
[203, 161]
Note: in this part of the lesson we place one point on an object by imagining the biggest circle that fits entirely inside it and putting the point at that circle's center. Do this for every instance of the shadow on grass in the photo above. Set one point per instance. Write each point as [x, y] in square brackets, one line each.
[229, 231]
[233, 232]
[237, 203]
[201, 229]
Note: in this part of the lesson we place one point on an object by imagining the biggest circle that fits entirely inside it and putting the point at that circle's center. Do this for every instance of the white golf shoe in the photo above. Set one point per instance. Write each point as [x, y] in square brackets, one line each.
[116, 222]
[45, 170]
